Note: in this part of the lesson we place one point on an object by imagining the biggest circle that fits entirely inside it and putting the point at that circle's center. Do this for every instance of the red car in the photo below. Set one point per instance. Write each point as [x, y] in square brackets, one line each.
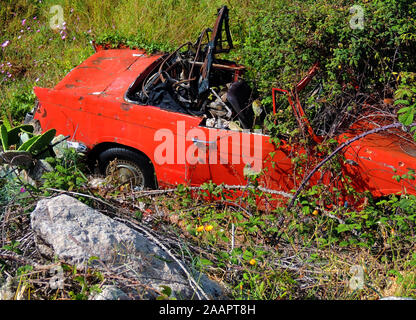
[187, 118]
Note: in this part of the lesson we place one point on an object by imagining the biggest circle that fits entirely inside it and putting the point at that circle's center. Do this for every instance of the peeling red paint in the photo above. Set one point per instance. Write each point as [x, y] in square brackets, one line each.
[125, 106]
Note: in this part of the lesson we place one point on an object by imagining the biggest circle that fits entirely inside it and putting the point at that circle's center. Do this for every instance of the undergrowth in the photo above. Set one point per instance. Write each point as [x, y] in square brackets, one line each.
[255, 253]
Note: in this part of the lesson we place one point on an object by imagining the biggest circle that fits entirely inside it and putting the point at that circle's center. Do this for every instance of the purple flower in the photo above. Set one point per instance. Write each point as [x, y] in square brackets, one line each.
[37, 79]
[22, 190]
[5, 44]
[34, 18]
[23, 22]
[63, 37]
[19, 37]
[38, 30]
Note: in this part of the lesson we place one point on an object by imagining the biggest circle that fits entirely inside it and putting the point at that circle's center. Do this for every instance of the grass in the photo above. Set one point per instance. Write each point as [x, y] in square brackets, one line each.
[37, 55]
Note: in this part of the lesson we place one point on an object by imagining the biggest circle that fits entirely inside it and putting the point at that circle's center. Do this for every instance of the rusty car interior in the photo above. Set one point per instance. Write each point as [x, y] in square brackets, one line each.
[193, 81]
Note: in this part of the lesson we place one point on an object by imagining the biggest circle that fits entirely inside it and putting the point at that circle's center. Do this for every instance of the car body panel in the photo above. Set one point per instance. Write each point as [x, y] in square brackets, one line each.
[380, 157]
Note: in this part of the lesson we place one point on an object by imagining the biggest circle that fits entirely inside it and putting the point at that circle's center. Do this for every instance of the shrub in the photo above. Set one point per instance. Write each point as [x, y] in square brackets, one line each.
[283, 40]
[67, 174]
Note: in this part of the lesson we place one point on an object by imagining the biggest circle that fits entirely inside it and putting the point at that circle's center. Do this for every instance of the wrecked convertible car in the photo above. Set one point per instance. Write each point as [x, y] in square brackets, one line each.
[187, 118]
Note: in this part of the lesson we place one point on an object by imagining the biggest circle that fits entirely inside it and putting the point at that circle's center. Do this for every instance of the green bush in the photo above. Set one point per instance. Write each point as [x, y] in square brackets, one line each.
[285, 38]
[67, 173]
[18, 103]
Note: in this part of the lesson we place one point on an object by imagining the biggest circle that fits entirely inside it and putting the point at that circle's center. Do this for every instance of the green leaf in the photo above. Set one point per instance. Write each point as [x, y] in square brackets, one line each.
[247, 255]
[28, 143]
[205, 262]
[92, 258]
[13, 134]
[6, 123]
[407, 115]
[167, 291]
[401, 101]
[404, 109]
[40, 144]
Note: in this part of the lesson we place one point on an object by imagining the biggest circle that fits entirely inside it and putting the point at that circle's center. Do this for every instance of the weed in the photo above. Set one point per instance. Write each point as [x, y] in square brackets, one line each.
[68, 173]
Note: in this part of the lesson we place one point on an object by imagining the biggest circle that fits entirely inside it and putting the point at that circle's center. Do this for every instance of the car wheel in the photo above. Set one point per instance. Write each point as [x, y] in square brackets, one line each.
[126, 167]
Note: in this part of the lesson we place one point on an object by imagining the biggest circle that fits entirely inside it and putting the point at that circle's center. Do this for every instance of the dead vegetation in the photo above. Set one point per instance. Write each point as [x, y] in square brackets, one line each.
[235, 246]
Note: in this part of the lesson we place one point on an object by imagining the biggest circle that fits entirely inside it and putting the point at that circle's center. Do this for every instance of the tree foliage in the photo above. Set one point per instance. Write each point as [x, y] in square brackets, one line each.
[282, 40]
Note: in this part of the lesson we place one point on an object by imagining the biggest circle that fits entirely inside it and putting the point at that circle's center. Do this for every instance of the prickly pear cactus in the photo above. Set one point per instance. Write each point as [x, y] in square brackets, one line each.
[28, 143]
[42, 142]
[20, 146]
[16, 158]
[13, 134]
[4, 137]
[6, 123]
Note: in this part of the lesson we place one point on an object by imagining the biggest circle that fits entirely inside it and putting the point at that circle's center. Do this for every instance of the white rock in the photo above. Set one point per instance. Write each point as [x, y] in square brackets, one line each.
[96, 183]
[60, 148]
[72, 231]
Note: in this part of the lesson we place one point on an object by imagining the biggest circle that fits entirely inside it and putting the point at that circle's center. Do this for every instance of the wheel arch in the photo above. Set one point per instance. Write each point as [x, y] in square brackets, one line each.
[93, 154]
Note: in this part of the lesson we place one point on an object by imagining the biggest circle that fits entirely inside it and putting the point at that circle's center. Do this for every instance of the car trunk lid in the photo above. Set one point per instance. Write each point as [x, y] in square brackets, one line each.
[98, 72]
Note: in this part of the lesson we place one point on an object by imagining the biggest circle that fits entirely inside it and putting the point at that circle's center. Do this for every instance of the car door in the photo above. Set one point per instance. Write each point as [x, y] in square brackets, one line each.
[233, 156]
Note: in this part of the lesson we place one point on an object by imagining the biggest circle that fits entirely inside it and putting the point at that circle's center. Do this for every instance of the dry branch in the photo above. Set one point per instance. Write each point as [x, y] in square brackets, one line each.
[338, 149]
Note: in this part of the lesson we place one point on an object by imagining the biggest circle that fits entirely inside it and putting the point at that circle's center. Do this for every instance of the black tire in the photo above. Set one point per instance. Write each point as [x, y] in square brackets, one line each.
[130, 167]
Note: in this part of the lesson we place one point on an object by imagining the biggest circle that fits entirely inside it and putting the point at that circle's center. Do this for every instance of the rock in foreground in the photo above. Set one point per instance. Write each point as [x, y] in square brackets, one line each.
[72, 231]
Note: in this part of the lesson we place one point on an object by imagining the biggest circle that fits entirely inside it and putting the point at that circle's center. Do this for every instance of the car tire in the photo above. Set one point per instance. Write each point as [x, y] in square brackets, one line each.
[128, 167]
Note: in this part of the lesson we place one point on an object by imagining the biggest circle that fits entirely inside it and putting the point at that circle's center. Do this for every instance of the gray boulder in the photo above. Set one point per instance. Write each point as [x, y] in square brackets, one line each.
[70, 230]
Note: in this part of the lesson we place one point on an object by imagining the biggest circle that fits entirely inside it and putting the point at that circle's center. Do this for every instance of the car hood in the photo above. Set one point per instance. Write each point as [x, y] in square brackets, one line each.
[107, 71]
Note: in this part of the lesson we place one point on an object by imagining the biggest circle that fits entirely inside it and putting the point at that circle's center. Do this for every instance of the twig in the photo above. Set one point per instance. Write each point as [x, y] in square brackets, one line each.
[228, 187]
[19, 259]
